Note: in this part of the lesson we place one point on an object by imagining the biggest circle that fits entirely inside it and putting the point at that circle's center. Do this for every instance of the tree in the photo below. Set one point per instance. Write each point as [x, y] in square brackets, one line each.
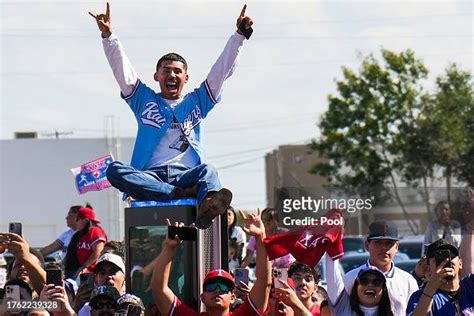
[363, 132]
[453, 115]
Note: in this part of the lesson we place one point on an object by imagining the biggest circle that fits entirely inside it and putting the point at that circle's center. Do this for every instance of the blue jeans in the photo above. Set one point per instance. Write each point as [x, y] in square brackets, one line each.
[158, 184]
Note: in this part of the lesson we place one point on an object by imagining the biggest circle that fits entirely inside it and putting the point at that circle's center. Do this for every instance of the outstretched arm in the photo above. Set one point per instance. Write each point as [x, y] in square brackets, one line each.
[52, 247]
[121, 67]
[19, 248]
[163, 295]
[334, 278]
[260, 292]
[225, 64]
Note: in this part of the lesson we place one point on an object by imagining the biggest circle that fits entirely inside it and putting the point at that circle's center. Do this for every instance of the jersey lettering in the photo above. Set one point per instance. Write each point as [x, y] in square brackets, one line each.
[152, 116]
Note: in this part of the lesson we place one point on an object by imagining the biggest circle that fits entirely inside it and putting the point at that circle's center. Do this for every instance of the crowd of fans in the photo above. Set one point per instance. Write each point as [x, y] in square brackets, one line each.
[93, 279]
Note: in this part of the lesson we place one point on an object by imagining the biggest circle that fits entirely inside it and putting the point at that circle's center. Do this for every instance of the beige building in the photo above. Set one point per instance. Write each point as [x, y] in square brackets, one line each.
[288, 167]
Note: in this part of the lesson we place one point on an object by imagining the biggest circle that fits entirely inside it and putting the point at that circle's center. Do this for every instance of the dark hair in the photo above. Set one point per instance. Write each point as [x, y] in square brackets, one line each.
[271, 213]
[324, 304]
[298, 267]
[71, 262]
[233, 244]
[117, 247]
[231, 226]
[385, 308]
[75, 208]
[172, 57]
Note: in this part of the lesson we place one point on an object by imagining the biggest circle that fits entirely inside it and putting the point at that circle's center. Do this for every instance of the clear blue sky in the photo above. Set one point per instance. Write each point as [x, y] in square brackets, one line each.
[54, 74]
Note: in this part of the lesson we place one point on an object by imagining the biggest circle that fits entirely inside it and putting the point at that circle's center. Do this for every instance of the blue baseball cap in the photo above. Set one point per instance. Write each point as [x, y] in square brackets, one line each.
[370, 268]
[382, 229]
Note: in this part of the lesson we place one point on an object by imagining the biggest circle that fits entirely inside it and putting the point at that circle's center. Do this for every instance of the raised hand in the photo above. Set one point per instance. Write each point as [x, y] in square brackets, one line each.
[16, 245]
[438, 277]
[253, 224]
[172, 243]
[246, 20]
[103, 22]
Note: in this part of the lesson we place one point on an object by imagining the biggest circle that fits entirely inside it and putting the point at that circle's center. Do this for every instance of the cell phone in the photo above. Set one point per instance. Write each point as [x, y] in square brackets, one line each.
[241, 274]
[442, 254]
[12, 293]
[246, 31]
[184, 232]
[54, 276]
[15, 228]
[137, 281]
[281, 274]
[87, 278]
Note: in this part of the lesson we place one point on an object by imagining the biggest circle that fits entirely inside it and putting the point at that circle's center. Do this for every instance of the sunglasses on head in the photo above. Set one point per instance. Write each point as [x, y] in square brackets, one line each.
[367, 281]
[211, 287]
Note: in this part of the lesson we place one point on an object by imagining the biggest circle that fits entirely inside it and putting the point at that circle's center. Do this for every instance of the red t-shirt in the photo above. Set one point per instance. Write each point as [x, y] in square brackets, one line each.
[85, 243]
[247, 308]
[315, 310]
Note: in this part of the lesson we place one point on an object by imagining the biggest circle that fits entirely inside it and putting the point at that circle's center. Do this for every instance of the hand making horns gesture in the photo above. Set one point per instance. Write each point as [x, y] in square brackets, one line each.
[103, 22]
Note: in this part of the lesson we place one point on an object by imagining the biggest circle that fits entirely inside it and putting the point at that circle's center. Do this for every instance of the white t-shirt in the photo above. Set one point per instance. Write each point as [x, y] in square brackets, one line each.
[174, 148]
[64, 239]
[239, 235]
[400, 284]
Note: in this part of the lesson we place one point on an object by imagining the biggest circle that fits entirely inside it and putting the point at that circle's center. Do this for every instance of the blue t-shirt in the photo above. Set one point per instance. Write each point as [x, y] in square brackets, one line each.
[443, 305]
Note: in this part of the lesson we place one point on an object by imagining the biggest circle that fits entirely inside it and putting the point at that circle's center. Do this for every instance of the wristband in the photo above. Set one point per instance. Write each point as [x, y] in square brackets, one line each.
[426, 295]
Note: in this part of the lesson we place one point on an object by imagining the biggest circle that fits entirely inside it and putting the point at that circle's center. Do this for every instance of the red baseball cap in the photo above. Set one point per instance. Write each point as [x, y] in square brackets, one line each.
[219, 274]
[87, 213]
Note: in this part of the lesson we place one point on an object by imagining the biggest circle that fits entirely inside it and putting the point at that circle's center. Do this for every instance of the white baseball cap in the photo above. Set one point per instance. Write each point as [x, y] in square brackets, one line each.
[112, 258]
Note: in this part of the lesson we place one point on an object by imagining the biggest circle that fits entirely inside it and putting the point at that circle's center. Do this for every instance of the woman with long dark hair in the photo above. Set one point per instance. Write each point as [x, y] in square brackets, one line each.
[236, 232]
[85, 245]
[368, 297]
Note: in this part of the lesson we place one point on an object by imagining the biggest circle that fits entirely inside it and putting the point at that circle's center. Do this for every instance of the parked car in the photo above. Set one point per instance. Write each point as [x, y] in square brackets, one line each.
[407, 265]
[412, 246]
[353, 244]
[354, 260]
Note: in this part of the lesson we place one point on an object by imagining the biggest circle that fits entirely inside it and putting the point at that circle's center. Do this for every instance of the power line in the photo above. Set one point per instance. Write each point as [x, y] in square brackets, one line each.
[281, 64]
[239, 163]
[260, 37]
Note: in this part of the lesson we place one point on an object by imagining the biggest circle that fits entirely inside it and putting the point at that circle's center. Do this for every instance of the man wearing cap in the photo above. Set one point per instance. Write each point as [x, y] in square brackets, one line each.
[109, 271]
[218, 285]
[104, 301]
[382, 245]
[445, 292]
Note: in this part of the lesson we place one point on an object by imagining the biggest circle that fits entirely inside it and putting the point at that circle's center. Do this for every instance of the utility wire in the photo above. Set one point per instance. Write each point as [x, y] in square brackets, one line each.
[282, 64]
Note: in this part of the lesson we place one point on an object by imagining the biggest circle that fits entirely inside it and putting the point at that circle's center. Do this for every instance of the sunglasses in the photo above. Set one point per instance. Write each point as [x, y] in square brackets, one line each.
[102, 305]
[367, 281]
[211, 287]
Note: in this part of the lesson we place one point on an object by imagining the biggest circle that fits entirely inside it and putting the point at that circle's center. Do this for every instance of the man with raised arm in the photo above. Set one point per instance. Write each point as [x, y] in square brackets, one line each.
[167, 161]
[218, 285]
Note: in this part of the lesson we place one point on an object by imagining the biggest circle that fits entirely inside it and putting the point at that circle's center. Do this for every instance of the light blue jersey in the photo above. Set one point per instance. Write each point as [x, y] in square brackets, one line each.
[154, 117]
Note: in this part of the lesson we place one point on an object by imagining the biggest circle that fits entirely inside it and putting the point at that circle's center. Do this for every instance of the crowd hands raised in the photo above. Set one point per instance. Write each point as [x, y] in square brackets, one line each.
[375, 288]
[92, 277]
